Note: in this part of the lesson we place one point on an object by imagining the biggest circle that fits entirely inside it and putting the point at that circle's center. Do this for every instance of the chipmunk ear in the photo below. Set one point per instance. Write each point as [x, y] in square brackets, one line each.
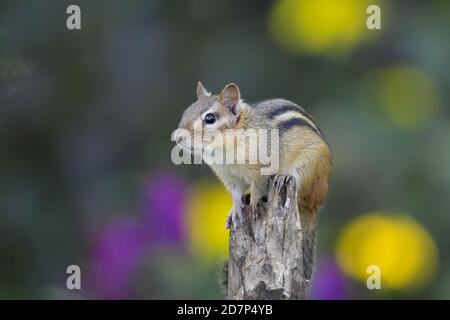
[230, 96]
[201, 91]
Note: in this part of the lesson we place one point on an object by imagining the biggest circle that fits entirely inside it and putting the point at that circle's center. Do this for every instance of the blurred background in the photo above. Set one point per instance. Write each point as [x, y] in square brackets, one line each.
[86, 118]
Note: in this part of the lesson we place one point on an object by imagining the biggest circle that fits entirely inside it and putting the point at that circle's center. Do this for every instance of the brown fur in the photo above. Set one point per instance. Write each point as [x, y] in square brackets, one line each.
[303, 153]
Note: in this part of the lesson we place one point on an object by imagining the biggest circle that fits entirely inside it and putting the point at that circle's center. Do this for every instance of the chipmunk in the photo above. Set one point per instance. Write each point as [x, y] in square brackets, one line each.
[303, 153]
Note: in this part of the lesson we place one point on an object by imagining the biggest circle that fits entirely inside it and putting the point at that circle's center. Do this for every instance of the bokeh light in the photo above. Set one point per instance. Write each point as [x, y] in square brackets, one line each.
[208, 209]
[87, 117]
[319, 26]
[406, 97]
[120, 246]
[402, 248]
[329, 283]
[164, 204]
[115, 256]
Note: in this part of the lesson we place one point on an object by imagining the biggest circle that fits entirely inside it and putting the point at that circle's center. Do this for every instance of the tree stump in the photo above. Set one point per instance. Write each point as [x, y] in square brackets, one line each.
[265, 258]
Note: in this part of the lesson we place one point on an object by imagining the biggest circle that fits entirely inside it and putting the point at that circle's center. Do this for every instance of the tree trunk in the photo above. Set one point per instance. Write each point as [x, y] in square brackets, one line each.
[266, 259]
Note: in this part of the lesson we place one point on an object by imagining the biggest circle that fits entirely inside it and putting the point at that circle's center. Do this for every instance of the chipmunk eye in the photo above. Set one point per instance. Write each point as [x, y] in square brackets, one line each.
[209, 118]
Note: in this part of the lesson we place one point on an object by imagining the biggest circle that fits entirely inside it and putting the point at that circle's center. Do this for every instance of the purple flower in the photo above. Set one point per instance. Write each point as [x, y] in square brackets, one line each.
[121, 245]
[329, 283]
[115, 258]
[164, 202]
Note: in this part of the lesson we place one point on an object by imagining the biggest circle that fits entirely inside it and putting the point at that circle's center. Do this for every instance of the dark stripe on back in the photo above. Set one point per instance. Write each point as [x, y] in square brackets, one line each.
[296, 122]
[288, 108]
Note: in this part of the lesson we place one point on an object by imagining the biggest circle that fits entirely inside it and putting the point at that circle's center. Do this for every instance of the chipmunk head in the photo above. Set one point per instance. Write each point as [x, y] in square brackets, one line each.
[208, 115]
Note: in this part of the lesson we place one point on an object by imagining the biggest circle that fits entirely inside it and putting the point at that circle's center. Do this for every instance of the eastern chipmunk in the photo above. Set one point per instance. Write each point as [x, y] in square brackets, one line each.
[302, 150]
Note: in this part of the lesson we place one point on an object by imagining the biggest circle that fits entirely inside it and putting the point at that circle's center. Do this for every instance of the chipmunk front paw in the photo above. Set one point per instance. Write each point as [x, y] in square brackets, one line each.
[236, 215]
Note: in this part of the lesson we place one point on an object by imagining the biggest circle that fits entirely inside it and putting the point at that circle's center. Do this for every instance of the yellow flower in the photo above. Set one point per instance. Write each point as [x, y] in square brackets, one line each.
[406, 96]
[208, 209]
[319, 26]
[404, 251]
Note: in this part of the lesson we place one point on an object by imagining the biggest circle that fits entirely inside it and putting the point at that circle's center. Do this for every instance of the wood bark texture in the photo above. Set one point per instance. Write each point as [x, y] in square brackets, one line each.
[265, 258]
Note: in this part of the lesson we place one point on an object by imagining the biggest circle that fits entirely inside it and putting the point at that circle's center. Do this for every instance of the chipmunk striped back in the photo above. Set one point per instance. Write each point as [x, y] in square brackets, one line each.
[302, 140]
[285, 114]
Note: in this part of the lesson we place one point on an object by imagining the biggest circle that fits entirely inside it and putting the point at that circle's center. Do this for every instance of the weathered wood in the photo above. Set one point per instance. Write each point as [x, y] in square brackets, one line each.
[265, 260]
